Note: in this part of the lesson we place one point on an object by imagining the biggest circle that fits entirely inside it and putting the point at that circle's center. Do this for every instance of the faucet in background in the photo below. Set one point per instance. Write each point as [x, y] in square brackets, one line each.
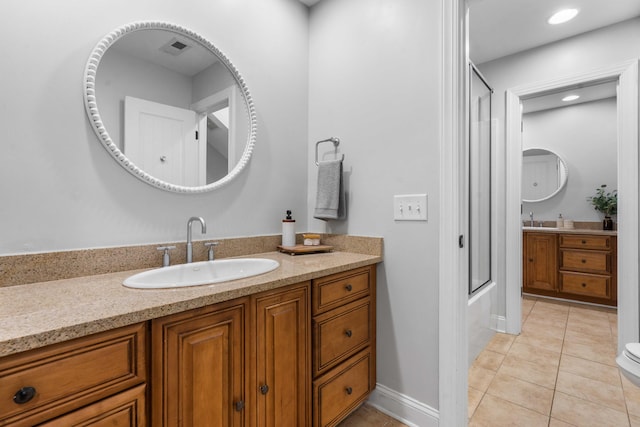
[530, 217]
[189, 244]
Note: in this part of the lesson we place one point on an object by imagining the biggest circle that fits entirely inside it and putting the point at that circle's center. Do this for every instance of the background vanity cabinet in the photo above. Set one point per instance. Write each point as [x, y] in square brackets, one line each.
[97, 380]
[344, 368]
[540, 263]
[283, 357]
[574, 266]
[198, 367]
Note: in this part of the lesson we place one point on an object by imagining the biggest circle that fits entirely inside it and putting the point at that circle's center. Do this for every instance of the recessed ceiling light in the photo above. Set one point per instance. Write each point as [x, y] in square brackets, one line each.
[562, 16]
[570, 98]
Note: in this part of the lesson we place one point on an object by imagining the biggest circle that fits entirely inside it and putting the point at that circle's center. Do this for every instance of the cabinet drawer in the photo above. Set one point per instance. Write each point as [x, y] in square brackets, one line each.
[597, 262]
[332, 291]
[340, 333]
[579, 241]
[338, 392]
[126, 409]
[69, 375]
[585, 284]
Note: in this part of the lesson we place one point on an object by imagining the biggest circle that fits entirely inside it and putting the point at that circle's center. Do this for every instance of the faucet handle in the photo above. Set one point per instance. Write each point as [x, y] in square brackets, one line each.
[165, 256]
[211, 245]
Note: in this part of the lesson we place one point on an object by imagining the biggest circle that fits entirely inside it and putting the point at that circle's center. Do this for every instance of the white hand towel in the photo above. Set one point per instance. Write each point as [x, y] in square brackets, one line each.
[330, 199]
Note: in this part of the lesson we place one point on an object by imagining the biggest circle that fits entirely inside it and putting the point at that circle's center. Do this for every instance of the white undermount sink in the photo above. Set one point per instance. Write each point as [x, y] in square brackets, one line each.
[200, 273]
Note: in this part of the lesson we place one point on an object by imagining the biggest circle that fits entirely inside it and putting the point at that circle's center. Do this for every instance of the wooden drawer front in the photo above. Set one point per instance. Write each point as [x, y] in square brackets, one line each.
[126, 409]
[341, 390]
[585, 284]
[340, 333]
[69, 375]
[597, 262]
[332, 291]
[585, 241]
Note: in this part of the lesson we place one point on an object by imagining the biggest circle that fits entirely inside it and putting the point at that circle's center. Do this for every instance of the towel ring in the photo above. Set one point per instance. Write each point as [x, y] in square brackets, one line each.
[336, 142]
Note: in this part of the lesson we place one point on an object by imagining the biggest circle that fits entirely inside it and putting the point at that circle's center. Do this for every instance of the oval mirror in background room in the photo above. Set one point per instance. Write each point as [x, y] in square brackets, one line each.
[544, 174]
[169, 107]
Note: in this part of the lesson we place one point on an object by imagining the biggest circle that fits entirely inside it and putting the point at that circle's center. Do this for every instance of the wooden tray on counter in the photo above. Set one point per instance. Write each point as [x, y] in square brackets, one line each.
[304, 249]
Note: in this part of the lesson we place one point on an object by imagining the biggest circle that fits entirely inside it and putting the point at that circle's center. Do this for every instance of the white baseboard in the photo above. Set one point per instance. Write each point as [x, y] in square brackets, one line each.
[403, 408]
[499, 323]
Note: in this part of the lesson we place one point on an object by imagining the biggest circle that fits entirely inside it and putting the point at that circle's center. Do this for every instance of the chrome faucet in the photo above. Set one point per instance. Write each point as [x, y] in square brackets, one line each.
[189, 244]
[531, 218]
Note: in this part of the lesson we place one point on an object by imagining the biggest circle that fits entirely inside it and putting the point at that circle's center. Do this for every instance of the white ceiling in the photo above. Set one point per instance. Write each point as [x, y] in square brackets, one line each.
[499, 28]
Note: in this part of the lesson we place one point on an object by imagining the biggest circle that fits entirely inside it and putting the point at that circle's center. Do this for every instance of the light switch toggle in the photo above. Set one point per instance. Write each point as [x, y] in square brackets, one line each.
[410, 207]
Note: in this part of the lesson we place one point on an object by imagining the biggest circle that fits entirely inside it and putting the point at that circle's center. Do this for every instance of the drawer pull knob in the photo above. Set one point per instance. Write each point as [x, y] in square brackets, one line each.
[584, 261]
[530, 259]
[348, 287]
[24, 395]
[264, 389]
[584, 242]
[349, 390]
[348, 333]
[584, 285]
[239, 405]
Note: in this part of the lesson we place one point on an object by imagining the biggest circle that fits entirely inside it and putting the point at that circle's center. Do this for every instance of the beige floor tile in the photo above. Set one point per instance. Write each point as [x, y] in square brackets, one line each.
[599, 329]
[496, 412]
[591, 390]
[559, 306]
[540, 356]
[587, 339]
[588, 312]
[480, 378]
[557, 423]
[473, 398]
[573, 410]
[489, 360]
[367, 416]
[500, 343]
[541, 328]
[635, 421]
[632, 396]
[550, 319]
[527, 305]
[588, 369]
[529, 371]
[596, 353]
[540, 341]
[523, 393]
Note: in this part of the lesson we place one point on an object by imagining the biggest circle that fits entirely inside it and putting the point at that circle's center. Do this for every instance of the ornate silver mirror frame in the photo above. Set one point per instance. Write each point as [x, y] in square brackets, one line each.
[93, 113]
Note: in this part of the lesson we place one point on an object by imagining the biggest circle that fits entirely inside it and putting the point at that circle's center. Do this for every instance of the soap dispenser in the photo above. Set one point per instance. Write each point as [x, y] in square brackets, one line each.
[560, 221]
[288, 231]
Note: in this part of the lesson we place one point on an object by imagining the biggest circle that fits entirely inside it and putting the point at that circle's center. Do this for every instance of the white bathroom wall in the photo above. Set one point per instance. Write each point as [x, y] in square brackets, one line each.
[61, 189]
[589, 51]
[374, 83]
[585, 136]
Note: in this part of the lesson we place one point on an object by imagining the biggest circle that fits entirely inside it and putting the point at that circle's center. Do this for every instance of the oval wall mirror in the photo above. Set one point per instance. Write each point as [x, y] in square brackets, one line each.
[169, 107]
[544, 174]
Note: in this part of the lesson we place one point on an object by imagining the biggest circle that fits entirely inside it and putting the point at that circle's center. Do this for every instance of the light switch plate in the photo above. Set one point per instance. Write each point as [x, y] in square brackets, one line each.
[410, 207]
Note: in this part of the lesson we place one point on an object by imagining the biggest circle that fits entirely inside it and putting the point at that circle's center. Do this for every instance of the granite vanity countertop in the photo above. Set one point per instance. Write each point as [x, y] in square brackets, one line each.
[39, 314]
[570, 231]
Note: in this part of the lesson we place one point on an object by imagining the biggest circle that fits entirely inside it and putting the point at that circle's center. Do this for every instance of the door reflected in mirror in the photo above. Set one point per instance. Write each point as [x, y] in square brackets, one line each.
[544, 174]
[174, 110]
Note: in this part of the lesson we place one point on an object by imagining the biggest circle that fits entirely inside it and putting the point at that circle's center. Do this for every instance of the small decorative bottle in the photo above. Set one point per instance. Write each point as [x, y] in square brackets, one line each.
[560, 221]
[288, 231]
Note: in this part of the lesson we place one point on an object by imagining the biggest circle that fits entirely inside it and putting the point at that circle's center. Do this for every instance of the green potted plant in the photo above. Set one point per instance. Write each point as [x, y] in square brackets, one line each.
[607, 203]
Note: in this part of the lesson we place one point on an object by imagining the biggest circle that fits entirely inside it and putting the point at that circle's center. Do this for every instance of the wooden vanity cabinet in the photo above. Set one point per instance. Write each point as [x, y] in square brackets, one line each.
[573, 266]
[96, 380]
[344, 345]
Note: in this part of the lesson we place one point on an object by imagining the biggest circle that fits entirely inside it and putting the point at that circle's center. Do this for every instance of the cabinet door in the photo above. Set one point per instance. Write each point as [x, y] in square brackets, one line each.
[199, 367]
[283, 359]
[540, 261]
